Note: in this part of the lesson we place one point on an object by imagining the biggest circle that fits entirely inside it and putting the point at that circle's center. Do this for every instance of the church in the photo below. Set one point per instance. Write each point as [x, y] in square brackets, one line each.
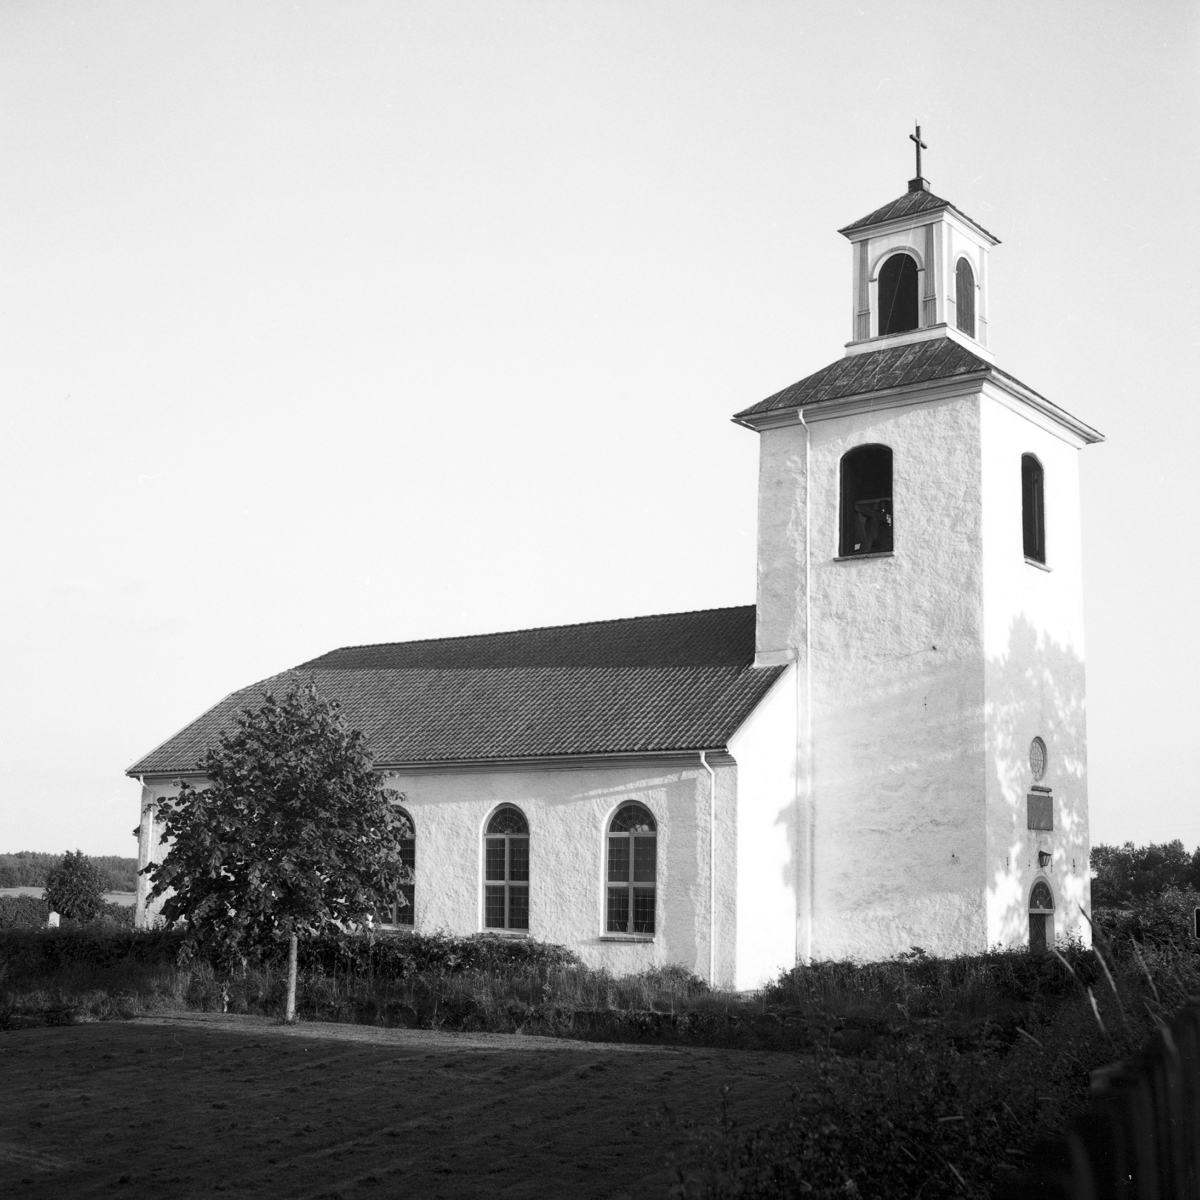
[885, 751]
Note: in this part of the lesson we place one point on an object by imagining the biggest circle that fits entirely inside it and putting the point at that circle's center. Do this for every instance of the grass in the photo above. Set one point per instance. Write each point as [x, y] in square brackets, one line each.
[915, 1075]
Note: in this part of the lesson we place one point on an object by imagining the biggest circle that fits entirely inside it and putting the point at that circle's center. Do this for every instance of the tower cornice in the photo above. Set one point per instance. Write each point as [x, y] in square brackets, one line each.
[901, 376]
[912, 337]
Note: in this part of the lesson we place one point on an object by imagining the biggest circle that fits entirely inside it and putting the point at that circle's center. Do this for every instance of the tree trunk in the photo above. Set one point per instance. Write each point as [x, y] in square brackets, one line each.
[290, 1015]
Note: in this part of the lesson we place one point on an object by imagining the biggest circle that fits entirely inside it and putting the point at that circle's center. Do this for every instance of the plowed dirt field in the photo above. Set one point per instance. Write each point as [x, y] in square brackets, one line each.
[190, 1106]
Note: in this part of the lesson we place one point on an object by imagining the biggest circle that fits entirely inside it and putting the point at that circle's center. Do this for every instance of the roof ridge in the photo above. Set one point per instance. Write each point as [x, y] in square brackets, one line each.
[462, 637]
[509, 670]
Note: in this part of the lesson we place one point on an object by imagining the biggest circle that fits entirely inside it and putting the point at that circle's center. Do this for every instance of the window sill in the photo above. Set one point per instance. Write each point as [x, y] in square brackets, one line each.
[627, 937]
[1041, 566]
[869, 554]
[517, 934]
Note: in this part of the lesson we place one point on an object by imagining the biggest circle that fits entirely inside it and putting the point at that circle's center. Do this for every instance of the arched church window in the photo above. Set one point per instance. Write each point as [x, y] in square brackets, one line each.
[402, 911]
[898, 301]
[632, 870]
[964, 297]
[506, 870]
[1033, 509]
[866, 501]
[1041, 917]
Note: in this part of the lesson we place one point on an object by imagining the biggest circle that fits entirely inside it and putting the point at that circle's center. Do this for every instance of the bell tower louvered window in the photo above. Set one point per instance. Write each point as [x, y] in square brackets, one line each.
[1033, 509]
[964, 297]
[866, 501]
[899, 303]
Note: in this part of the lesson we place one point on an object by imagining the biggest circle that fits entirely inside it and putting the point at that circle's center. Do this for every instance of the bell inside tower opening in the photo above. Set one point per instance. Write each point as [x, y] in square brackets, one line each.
[867, 501]
[898, 300]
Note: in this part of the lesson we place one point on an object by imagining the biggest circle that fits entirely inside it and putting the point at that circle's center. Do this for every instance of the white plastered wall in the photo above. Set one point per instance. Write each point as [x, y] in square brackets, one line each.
[568, 810]
[897, 678]
[150, 847]
[768, 836]
[1033, 622]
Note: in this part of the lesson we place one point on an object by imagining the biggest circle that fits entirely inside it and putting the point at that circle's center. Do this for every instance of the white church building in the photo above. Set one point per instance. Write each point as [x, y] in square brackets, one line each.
[886, 750]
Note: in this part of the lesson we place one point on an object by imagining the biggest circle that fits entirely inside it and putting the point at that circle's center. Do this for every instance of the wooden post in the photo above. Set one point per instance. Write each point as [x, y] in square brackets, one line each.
[290, 1015]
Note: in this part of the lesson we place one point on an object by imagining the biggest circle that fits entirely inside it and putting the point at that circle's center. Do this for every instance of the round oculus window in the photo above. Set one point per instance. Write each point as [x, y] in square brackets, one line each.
[1037, 758]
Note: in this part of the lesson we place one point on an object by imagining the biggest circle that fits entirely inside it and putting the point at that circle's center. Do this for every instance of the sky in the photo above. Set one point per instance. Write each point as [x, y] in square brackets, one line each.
[345, 322]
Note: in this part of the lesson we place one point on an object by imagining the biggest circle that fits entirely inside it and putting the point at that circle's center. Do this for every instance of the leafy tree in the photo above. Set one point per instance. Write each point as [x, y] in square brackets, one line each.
[75, 888]
[294, 835]
[1127, 873]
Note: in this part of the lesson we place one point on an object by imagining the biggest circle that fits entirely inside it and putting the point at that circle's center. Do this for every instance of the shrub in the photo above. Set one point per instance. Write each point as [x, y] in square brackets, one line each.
[397, 956]
[113, 938]
[36, 954]
[675, 981]
[23, 912]
[30, 912]
[74, 888]
[1162, 920]
[117, 916]
[971, 1060]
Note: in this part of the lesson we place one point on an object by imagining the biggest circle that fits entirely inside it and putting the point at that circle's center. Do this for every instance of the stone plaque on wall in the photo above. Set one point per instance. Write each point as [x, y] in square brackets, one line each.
[1041, 810]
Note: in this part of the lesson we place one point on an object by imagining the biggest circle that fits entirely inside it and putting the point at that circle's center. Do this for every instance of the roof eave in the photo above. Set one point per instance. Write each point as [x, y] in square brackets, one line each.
[855, 233]
[530, 762]
[907, 393]
[917, 393]
[549, 762]
[136, 771]
[1079, 430]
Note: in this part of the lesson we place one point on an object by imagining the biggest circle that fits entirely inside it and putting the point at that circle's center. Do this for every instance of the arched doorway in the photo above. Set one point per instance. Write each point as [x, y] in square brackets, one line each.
[1041, 917]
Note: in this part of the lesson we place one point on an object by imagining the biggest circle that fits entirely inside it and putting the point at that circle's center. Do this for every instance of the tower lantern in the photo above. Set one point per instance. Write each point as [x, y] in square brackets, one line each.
[920, 271]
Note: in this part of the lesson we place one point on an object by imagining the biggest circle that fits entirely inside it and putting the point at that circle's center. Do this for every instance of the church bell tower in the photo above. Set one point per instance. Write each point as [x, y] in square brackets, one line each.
[919, 562]
[920, 272]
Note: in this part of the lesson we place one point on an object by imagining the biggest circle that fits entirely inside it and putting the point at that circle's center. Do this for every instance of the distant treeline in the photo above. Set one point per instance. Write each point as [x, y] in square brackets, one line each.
[1128, 873]
[27, 868]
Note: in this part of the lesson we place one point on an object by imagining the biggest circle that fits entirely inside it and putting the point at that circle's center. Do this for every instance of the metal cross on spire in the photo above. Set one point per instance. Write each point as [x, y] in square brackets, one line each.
[916, 137]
